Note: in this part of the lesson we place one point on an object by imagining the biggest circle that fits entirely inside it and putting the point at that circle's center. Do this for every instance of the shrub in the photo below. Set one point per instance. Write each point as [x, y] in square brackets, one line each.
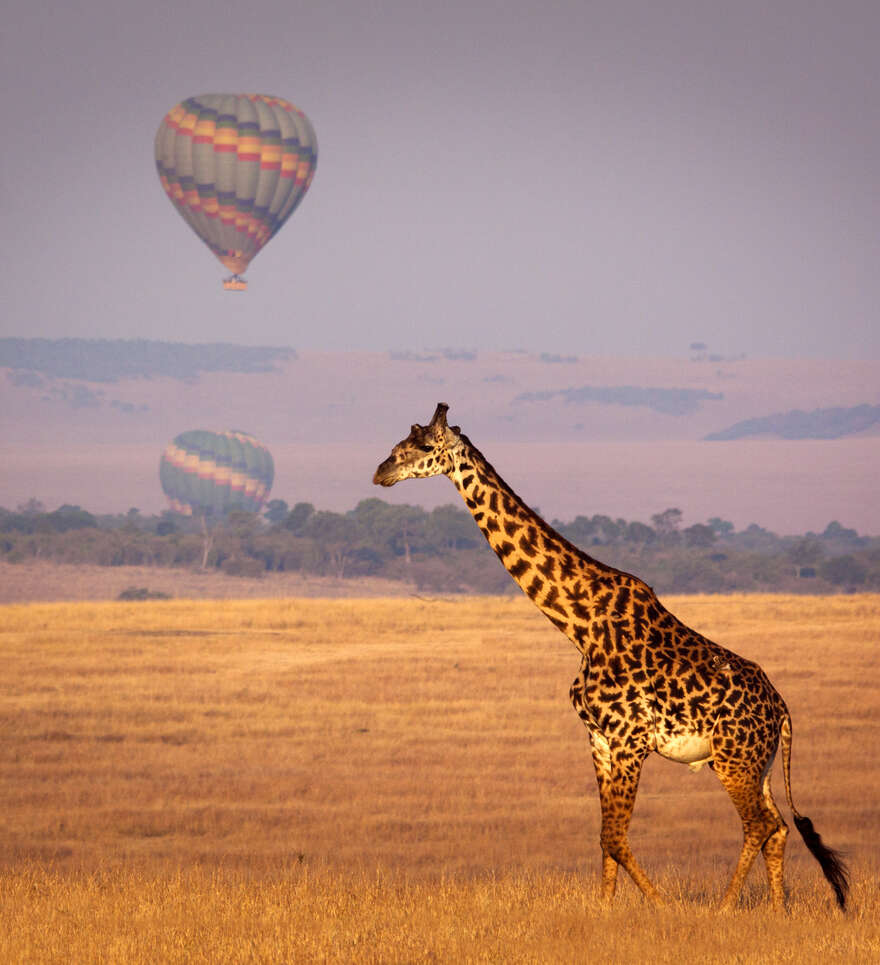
[242, 566]
[142, 593]
[844, 571]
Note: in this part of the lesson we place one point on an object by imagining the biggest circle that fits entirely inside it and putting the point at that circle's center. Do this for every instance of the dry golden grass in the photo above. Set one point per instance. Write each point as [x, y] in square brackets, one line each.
[395, 780]
[201, 916]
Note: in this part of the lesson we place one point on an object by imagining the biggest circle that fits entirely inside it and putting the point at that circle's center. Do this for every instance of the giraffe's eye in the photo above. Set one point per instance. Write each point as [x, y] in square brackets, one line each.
[426, 448]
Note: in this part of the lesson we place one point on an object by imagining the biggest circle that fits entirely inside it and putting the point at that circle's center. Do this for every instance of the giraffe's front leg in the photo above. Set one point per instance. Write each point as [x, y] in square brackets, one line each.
[617, 771]
[617, 775]
[602, 765]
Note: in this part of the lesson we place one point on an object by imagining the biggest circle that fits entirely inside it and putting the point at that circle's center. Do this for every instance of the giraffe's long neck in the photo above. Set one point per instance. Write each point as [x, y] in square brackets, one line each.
[568, 586]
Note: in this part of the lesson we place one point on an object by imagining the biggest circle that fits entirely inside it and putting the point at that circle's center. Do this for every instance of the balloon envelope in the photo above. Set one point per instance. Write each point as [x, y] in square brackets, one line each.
[235, 166]
[209, 474]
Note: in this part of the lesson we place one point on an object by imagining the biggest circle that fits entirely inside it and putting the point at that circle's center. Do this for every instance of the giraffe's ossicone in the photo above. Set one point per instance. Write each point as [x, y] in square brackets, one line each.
[646, 683]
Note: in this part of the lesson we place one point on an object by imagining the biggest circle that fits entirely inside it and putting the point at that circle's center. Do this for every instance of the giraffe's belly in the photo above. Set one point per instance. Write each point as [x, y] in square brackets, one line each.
[684, 748]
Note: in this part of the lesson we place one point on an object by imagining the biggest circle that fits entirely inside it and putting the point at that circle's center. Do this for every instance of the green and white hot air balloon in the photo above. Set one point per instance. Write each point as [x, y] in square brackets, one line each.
[236, 166]
[209, 474]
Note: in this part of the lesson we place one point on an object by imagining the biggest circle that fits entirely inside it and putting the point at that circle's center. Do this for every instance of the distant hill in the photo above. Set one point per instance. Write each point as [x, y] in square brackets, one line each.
[832, 423]
[109, 360]
[668, 401]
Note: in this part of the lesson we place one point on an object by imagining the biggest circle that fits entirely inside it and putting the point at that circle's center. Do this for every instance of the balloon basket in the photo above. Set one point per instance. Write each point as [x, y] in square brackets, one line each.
[235, 284]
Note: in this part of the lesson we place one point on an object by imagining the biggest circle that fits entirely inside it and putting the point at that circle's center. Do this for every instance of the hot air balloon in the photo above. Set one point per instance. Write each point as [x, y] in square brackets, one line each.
[235, 166]
[208, 474]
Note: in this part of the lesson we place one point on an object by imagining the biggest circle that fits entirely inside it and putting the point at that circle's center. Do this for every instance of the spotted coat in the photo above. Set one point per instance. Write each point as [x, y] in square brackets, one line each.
[647, 682]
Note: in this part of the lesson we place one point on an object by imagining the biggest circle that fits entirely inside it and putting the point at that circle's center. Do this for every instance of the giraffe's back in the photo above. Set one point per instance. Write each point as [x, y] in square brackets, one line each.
[649, 677]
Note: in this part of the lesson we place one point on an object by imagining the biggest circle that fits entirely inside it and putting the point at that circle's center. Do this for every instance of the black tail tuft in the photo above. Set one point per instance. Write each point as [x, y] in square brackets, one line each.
[831, 861]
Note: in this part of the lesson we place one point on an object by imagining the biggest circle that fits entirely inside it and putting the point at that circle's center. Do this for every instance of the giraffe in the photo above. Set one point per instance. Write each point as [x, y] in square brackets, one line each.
[646, 681]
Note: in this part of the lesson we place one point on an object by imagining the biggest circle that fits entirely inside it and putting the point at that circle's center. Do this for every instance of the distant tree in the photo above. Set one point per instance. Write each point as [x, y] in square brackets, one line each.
[806, 552]
[582, 531]
[298, 517]
[409, 523]
[69, 517]
[834, 531]
[375, 517]
[608, 530]
[666, 525]
[33, 507]
[391, 529]
[639, 533]
[167, 524]
[721, 527]
[847, 571]
[755, 537]
[699, 536]
[133, 521]
[240, 524]
[687, 573]
[338, 537]
[450, 527]
[276, 511]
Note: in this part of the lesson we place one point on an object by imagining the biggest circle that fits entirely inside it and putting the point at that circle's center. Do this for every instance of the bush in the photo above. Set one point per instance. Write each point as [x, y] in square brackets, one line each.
[461, 571]
[142, 593]
[844, 571]
[691, 574]
[242, 566]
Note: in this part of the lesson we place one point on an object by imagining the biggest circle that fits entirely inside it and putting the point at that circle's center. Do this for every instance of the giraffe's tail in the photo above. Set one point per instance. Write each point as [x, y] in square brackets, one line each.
[831, 861]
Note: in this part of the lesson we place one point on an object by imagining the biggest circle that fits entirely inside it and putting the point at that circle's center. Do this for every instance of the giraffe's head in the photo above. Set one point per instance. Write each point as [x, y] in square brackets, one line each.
[426, 451]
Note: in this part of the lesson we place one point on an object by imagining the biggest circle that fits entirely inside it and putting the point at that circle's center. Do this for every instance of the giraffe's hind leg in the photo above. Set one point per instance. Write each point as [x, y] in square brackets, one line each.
[774, 848]
[763, 827]
[618, 780]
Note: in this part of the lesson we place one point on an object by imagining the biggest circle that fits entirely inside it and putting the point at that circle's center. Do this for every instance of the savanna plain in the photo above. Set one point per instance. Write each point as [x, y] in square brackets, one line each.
[398, 780]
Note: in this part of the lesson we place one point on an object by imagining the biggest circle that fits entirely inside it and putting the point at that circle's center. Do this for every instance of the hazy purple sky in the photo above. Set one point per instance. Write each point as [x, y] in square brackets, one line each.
[619, 178]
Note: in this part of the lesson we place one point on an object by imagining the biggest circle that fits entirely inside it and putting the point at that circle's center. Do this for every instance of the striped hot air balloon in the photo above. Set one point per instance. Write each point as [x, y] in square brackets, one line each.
[235, 166]
[208, 474]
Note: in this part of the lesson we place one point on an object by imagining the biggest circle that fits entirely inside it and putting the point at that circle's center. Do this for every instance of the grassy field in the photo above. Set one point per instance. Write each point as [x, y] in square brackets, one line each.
[395, 781]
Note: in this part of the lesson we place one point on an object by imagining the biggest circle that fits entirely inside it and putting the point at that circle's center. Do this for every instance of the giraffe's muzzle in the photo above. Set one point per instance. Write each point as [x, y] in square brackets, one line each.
[384, 475]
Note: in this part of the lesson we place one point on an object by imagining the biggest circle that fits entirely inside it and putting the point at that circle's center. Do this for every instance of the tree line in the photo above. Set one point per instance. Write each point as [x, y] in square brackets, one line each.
[442, 550]
[108, 360]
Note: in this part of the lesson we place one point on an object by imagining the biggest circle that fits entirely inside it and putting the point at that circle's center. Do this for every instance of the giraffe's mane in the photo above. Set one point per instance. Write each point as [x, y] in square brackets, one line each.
[548, 530]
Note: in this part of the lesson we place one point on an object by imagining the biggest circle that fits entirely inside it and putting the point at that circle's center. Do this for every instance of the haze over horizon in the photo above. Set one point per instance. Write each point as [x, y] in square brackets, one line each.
[592, 181]
[567, 177]
[623, 437]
